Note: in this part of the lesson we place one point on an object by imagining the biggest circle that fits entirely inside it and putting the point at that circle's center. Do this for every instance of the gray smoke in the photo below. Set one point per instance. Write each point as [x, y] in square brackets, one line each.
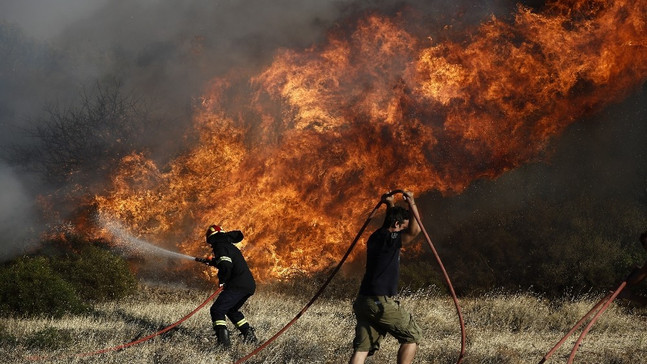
[166, 50]
[17, 226]
[43, 19]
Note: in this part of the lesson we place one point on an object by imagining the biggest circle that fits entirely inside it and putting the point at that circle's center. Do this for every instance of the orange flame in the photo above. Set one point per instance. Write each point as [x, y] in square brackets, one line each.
[295, 156]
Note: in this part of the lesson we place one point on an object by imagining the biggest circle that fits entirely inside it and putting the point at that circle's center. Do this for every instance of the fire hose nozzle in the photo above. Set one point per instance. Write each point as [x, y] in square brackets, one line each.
[206, 261]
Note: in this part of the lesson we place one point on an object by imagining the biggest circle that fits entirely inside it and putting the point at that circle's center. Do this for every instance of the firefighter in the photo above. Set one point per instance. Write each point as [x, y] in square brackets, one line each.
[237, 282]
[376, 311]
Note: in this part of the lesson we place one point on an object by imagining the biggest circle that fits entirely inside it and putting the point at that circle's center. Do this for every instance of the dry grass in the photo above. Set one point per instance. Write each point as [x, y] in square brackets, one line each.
[500, 329]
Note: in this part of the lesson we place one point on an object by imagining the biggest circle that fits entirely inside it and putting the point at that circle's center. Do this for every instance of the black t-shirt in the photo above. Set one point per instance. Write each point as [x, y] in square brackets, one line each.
[382, 264]
[232, 267]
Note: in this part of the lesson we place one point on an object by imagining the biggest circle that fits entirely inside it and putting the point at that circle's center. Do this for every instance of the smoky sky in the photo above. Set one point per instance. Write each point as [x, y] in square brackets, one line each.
[16, 222]
[46, 19]
[165, 51]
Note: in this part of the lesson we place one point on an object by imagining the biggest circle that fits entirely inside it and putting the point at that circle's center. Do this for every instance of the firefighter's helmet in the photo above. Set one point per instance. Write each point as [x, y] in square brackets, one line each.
[213, 229]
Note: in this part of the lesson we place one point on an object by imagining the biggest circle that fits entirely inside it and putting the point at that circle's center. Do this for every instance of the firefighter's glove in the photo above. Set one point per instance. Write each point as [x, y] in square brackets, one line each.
[206, 261]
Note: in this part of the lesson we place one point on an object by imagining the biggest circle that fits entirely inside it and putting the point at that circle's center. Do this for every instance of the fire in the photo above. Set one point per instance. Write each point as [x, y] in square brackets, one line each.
[296, 155]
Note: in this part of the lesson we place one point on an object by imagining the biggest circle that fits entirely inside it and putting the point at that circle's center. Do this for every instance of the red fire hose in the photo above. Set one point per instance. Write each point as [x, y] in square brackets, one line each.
[352, 245]
[578, 324]
[447, 280]
[319, 292]
[604, 303]
[141, 340]
[595, 318]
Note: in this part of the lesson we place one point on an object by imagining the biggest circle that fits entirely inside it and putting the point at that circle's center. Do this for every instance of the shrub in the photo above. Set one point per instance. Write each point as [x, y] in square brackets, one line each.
[96, 273]
[558, 248]
[75, 273]
[29, 286]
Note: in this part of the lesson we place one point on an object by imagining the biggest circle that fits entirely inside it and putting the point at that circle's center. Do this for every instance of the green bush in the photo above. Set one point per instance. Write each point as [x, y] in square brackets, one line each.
[557, 248]
[96, 274]
[29, 286]
[74, 273]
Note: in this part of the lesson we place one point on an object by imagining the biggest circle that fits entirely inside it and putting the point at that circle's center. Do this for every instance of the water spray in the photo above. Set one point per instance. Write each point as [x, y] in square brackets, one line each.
[128, 241]
[131, 243]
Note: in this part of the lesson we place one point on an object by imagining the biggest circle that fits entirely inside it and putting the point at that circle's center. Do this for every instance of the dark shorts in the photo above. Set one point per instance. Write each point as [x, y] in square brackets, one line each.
[378, 316]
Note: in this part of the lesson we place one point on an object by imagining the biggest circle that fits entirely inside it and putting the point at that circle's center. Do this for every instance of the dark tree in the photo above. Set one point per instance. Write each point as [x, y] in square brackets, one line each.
[82, 143]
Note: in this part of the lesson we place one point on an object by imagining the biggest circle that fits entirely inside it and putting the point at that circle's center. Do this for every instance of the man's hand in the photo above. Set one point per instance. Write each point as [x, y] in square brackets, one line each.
[408, 196]
[388, 199]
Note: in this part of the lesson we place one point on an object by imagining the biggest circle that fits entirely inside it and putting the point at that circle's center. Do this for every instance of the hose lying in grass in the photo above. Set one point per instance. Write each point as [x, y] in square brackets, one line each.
[141, 340]
[603, 304]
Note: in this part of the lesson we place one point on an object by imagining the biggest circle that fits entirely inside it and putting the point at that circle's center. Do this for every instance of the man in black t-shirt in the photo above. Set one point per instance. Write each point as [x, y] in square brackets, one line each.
[238, 282]
[376, 311]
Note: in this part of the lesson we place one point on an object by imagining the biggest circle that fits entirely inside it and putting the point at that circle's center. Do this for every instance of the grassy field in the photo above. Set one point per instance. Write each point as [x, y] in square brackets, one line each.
[500, 329]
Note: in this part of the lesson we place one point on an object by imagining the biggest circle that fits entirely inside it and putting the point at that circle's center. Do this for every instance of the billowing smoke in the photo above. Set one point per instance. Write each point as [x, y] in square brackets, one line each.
[17, 217]
[46, 19]
[166, 50]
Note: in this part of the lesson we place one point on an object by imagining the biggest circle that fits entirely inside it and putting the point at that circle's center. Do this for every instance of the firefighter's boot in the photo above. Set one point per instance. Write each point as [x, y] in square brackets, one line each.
[249, 337]
[222, 334]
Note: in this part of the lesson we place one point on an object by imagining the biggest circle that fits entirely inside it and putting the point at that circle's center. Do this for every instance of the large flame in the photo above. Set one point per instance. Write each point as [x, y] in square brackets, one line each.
[297, 154]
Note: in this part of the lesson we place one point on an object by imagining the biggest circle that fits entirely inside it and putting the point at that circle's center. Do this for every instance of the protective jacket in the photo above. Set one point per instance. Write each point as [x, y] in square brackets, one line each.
[233, 270]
